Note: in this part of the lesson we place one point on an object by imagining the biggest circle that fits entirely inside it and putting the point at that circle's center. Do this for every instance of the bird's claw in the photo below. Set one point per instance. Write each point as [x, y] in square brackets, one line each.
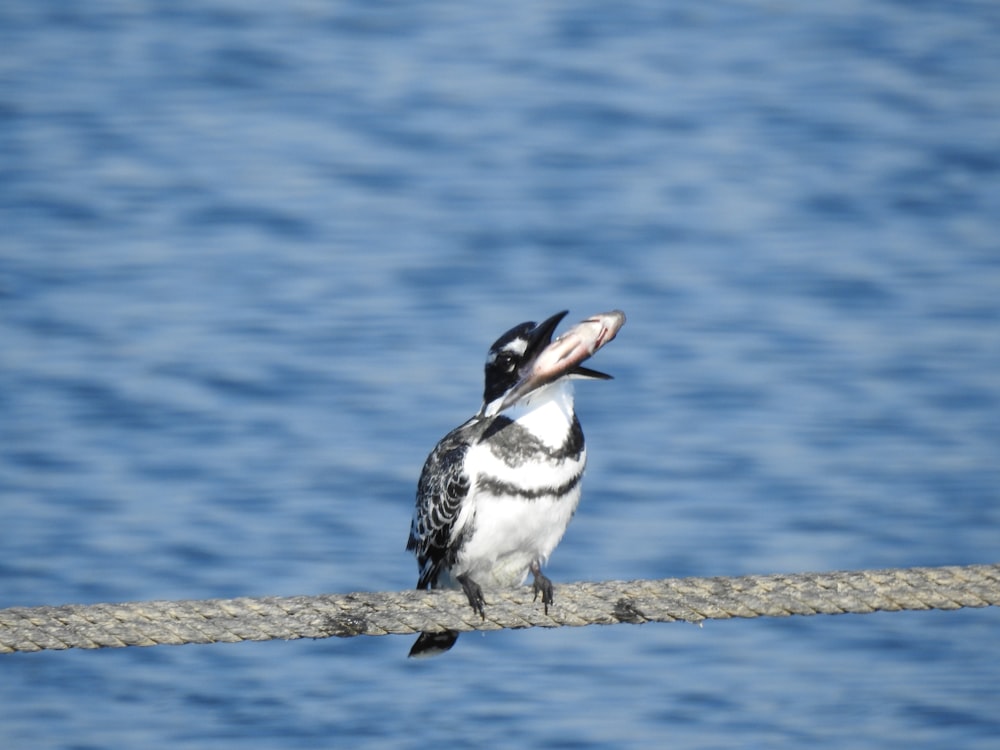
[542, 585]
[474, 593]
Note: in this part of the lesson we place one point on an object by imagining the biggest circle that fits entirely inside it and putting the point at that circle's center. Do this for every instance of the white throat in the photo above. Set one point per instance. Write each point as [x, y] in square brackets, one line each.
[547, 413]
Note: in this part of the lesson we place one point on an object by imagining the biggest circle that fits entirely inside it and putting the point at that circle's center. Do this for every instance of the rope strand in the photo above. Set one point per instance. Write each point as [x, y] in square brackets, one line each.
[577, 604]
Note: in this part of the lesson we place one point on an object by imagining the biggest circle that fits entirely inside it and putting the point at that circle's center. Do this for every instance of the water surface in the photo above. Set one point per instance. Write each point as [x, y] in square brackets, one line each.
[251, 261]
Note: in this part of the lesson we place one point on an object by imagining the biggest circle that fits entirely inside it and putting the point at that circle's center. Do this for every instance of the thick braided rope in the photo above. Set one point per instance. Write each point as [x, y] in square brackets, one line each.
[577, 604]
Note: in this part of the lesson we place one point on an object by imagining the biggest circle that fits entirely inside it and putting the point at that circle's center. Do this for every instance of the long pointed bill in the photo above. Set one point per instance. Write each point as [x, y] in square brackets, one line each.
[563, 356]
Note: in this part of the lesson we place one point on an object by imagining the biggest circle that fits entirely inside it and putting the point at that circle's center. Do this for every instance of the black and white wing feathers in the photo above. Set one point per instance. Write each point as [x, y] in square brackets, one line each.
[443, 488]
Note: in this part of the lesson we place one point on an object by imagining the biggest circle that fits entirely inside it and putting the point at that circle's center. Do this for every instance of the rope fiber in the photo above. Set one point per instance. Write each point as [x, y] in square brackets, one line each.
[576, 604]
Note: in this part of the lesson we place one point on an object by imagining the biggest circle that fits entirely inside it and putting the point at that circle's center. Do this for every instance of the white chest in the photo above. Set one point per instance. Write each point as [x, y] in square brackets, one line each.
[518, 512]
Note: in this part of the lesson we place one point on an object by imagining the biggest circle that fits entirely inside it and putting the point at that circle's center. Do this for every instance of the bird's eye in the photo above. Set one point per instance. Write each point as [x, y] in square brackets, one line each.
[506, 361]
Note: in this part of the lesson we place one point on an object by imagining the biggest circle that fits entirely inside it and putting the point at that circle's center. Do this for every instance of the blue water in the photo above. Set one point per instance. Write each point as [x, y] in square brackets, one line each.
[252, 255]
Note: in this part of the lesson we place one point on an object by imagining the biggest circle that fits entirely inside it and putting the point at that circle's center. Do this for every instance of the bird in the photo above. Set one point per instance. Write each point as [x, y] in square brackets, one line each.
[496, 494]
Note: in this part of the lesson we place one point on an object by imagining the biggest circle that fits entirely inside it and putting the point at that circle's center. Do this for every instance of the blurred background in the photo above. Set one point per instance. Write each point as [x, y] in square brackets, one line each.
[252, 256]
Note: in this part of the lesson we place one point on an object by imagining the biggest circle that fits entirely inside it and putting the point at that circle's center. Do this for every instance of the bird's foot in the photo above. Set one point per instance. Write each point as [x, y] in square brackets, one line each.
[542, 585]
[474, 594]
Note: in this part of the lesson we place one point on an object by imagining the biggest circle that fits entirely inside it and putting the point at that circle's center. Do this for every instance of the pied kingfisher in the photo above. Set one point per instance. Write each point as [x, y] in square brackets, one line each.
[496, 494]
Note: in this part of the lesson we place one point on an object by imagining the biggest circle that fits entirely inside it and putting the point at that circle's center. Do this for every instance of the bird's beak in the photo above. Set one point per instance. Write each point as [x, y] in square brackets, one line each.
[548, 360]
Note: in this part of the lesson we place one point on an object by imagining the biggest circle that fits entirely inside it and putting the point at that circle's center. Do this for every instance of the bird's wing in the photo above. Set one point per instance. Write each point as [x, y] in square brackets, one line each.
[443, 488]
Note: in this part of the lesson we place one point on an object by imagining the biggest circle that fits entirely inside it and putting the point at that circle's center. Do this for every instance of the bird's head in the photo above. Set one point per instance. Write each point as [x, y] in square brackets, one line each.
[526, 358]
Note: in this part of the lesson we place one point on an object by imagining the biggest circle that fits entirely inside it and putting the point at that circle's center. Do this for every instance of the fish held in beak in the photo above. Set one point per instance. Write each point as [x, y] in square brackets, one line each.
[563, 356]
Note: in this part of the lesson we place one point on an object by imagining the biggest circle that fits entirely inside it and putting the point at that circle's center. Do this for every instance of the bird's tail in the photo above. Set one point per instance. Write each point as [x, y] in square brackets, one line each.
[433, 644]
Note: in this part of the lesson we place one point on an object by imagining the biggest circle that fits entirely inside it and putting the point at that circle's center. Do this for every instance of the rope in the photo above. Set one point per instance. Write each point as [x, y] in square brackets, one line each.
[407, 612]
